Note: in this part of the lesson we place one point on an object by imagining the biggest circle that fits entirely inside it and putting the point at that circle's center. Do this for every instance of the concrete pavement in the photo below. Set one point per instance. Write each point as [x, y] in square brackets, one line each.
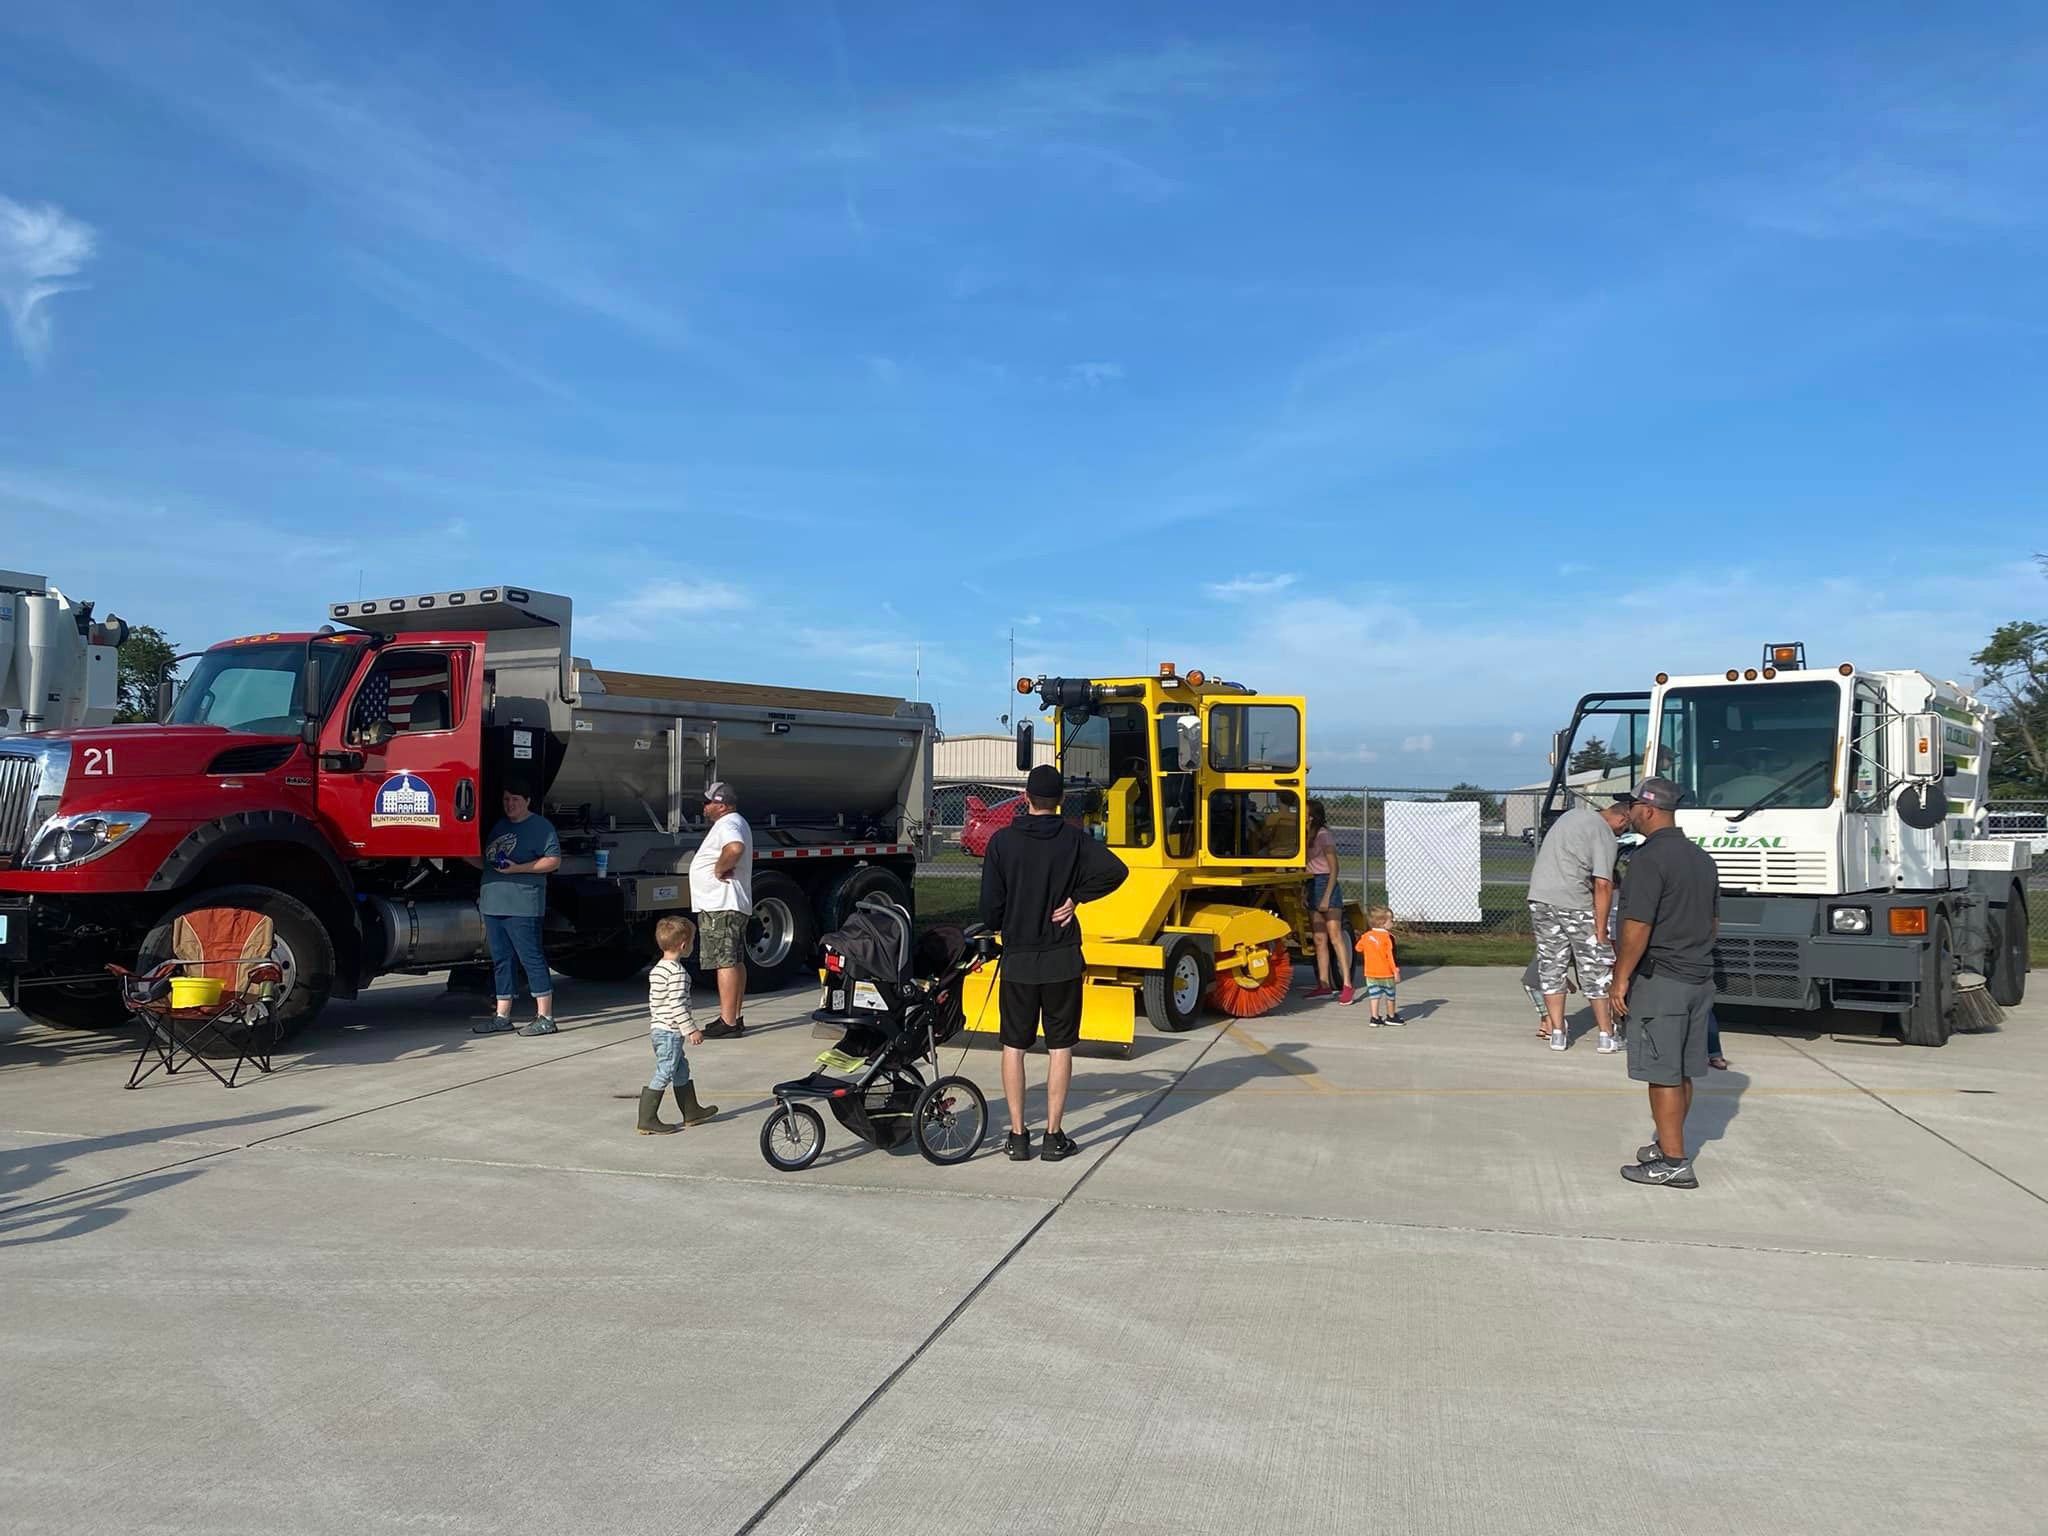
[1307, 1277]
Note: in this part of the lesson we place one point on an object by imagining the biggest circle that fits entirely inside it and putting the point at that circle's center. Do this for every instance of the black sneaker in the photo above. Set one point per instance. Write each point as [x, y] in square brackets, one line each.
[1662, 1170]
[724, 1031]
[1020, 1146]
[1058, 1144]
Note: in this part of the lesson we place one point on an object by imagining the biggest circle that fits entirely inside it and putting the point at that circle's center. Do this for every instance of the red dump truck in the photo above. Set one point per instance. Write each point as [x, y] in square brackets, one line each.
[323, 791]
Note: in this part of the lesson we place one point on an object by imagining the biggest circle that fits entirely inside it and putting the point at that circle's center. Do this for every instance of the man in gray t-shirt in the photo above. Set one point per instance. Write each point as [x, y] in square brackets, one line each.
[1570, 891]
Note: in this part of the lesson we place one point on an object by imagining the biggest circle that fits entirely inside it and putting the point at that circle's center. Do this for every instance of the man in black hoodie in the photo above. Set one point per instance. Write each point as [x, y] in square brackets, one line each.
[1036, 871]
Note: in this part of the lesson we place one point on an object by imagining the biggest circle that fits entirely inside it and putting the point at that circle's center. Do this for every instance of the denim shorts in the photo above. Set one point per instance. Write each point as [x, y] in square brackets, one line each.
[1323, 894]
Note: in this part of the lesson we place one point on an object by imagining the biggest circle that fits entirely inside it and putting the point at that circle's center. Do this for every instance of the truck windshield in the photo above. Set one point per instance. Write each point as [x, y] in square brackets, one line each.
[257, 689]
[1106, 761]
[1729, 748]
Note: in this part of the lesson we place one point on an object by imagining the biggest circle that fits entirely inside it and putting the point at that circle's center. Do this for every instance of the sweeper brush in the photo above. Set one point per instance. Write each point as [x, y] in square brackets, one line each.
[1238, 995]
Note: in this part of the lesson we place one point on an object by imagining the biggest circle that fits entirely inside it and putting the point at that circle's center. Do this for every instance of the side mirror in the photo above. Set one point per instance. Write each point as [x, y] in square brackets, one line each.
[1560, 744]
[1924, 764]
[1026, 757]
[166, 699]
[1188, 745]
[309, 723]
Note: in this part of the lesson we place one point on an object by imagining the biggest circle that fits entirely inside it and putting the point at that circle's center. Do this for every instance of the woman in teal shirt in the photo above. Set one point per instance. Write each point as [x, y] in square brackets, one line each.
[519, 855]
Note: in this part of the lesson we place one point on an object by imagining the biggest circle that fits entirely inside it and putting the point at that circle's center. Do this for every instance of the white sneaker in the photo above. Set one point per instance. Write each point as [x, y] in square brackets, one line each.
[1557, 1039]
[1607, 1047]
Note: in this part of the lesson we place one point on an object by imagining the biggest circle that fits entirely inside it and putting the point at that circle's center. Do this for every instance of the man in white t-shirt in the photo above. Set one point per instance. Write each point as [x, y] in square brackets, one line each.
[722, 895]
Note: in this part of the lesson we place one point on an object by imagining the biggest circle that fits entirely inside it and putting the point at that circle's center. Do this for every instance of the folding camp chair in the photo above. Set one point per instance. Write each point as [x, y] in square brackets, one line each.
[174, 1038]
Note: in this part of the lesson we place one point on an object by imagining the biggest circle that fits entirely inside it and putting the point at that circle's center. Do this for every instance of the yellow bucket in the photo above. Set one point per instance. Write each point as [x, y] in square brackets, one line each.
[195, 991]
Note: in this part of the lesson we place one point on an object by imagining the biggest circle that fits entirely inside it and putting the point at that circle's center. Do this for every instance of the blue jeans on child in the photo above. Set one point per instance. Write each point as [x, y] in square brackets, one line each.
[670, 1064]
[517, 938]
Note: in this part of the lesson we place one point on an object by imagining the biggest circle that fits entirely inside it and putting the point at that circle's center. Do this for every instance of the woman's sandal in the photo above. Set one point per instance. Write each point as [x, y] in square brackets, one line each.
[1718, 1063]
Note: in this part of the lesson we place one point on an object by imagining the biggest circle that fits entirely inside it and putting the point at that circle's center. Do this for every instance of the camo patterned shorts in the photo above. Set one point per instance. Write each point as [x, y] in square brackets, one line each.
[720, 938]
[1562, 934]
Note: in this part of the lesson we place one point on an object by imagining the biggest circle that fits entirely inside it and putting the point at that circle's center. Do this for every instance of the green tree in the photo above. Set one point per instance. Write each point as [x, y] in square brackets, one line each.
[1593, 757]
[2014, 681]
[146, 657]
[1489, 805]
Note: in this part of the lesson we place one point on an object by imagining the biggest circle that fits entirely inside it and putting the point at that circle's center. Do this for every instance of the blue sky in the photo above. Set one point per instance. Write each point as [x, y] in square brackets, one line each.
[1440, 363]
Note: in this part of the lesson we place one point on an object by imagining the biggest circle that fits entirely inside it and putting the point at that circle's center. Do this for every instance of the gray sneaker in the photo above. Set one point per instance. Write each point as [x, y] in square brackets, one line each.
[1558, 1039]
[541, 1027]
[1661, 1170]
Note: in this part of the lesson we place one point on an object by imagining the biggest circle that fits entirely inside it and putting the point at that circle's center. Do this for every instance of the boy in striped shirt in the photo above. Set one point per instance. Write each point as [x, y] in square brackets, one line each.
[668, 1012]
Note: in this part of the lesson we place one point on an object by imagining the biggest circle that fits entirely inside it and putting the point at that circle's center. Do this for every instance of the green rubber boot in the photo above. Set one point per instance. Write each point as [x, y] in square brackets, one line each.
[686, 1100]
[651, 1123]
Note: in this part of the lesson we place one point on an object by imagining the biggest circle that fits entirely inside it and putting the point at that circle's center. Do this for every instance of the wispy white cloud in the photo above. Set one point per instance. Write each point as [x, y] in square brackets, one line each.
[663, 607]
[1254, 585]
[1093, 375]
[1516, 738]
[41, 250]
[1422, 743]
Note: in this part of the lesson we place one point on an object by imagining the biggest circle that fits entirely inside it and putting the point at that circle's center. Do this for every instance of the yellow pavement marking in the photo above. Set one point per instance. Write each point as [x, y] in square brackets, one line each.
[1307, 1076]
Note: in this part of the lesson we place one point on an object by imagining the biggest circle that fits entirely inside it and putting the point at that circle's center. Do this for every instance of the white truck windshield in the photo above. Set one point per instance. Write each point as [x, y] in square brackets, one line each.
[1730, 747]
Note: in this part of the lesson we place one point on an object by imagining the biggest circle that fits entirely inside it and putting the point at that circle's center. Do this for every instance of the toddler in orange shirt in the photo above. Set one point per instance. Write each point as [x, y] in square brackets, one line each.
[1376, 949]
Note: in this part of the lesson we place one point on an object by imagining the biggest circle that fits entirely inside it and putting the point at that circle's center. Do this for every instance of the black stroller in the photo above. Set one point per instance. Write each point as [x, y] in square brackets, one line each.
[897, 1006]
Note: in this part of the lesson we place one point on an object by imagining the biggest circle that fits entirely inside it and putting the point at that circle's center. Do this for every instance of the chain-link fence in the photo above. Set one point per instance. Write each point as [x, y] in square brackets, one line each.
[1454, 871]
[1414, 850]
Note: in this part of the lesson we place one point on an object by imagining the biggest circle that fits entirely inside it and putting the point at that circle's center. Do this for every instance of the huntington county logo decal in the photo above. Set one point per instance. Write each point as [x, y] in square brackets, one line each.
[404, 800]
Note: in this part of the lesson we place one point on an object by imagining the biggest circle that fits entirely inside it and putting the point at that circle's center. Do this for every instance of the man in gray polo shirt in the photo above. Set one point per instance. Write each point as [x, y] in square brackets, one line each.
[1664, 976]
[1569, 892]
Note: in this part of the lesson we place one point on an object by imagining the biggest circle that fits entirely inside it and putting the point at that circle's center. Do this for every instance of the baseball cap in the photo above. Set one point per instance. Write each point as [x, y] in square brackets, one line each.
[1044, 782]
[1661, 793]
[718, 792]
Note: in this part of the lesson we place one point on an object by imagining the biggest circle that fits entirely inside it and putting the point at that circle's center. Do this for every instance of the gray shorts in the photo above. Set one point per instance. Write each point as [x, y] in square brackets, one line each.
[1562, 936]
[720, 938]
[1667, 1029]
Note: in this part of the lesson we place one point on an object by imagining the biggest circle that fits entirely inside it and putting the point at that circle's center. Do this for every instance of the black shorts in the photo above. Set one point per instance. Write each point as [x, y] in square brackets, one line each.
[1668, 1021]
[1022, 1004]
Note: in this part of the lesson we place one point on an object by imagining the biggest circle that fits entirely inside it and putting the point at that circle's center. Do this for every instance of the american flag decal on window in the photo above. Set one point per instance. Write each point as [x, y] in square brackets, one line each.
[391, 693]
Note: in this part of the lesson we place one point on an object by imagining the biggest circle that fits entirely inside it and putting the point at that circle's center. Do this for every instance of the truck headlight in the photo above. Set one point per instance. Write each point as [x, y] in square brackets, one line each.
[1848, 919]
[65, 841]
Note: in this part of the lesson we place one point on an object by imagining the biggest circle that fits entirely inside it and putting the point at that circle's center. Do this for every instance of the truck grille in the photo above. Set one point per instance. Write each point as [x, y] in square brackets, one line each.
[1768, 869]
[1767, 969]
[20, 778]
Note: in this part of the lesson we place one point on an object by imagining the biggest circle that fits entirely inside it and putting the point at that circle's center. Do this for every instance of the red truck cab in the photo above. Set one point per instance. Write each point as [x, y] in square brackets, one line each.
[285, 764]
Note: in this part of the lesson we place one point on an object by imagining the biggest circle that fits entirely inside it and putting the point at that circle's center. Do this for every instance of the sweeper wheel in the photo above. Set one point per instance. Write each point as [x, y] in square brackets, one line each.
[1244, 998]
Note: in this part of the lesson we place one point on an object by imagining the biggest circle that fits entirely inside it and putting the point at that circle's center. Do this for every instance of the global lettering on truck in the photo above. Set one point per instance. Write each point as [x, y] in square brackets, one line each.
[317, 799]
[1847, 811]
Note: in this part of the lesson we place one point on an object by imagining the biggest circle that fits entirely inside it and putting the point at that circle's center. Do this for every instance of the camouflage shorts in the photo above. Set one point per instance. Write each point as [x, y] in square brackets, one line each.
[1561, 936]
[720, 938]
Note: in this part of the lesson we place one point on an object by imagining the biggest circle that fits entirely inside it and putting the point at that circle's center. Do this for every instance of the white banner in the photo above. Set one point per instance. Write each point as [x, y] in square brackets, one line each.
[1432, 860]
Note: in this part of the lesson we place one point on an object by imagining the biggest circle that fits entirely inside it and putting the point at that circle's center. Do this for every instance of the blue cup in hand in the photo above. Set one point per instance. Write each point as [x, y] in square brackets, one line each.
[604, 862]
[502, 861]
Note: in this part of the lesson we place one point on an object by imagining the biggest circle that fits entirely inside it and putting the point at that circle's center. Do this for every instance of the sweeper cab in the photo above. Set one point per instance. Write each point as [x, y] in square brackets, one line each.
[1199, 786]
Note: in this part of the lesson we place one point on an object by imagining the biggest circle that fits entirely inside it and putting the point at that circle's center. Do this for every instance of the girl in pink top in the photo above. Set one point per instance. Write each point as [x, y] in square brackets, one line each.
[1326, 905]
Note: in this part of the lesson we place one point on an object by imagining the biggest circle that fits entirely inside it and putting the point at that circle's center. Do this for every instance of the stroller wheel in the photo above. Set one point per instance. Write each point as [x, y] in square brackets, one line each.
[793, 1137]
[952, 1120]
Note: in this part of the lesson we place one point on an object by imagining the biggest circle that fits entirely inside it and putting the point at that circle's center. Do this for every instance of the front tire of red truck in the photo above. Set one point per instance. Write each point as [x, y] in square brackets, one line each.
[68, 1005]
[299, 945]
